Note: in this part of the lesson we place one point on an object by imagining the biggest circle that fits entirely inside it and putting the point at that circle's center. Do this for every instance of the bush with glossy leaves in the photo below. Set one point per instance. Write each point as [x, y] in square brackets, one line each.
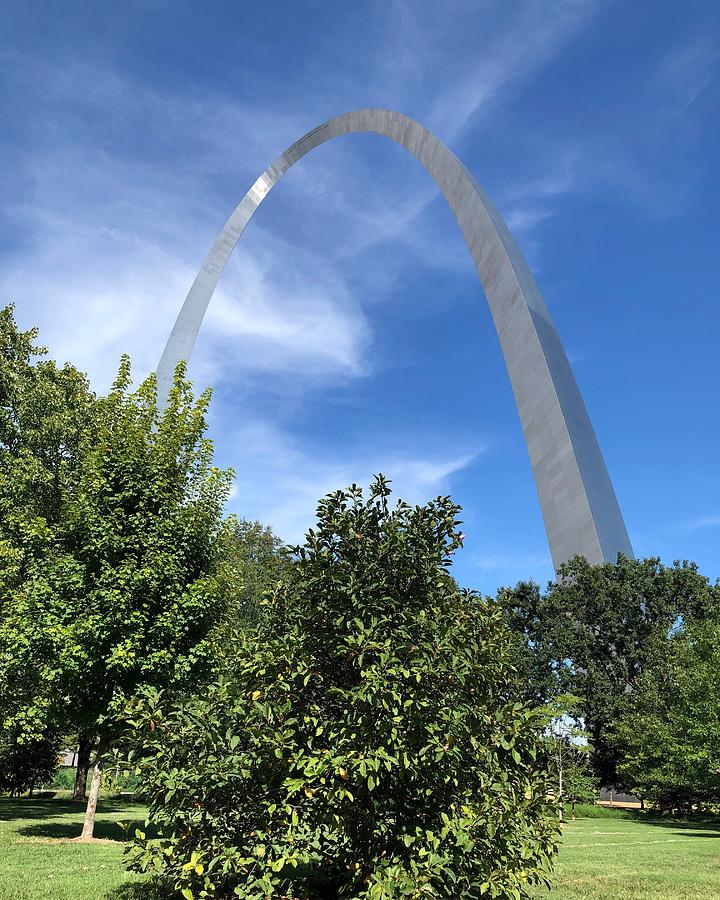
[367, 741]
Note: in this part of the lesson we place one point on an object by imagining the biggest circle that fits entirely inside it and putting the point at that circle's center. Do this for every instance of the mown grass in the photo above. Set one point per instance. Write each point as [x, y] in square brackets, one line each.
[39, 860]
[632, 859]
[615, 858]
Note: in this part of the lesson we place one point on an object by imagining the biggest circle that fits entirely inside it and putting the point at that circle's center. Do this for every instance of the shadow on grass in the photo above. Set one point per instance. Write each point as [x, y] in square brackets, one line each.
[142, 890]
[41, 807]
[36, 808]
[700, 828]
[66, 830]
[51, 819]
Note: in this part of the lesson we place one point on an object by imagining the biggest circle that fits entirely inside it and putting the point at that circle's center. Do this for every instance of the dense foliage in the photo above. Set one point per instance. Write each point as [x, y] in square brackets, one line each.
[339, 721]
[111, 513]
[368, 741]
[669, 737]
[26, 762]
[251, 560]
[139, 543]
[43, 410]
[596, 630]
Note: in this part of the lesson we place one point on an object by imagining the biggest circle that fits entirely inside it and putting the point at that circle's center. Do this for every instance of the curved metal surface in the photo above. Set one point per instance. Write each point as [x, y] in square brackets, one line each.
[577, 499]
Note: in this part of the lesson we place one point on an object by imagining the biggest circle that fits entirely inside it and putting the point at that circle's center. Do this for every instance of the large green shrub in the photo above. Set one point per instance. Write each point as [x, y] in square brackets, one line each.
[367, 742]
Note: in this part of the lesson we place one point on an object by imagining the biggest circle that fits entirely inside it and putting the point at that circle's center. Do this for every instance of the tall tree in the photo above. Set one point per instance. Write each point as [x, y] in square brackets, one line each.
[44, 409]
[596, 629]
[127, 597]
[669, 735]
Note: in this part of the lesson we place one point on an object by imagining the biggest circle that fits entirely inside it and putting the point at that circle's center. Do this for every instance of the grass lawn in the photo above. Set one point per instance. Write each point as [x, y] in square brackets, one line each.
[38, 859]
[600, 859]
[624, 859]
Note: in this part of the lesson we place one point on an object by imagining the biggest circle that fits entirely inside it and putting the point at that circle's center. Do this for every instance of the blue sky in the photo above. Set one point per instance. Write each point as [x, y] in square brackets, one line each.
[350, 334]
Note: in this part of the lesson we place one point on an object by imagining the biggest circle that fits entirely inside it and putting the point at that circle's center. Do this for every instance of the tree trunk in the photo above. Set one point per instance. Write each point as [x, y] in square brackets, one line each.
[560, 787]
[89, 823]
[83, 767]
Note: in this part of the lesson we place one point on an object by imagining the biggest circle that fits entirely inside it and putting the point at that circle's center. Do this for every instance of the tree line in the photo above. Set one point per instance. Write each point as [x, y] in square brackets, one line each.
[635, 644]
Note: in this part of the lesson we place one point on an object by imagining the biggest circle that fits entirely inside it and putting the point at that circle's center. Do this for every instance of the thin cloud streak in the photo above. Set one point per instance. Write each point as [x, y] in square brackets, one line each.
[527, 41]
[280, 479]
[704, 522]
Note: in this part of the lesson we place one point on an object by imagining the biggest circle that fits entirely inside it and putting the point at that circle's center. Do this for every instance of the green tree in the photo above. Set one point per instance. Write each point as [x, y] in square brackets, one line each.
[26, 762]
[125, 597]
[525, 612]
[596, 629]
[368, 741]
[251, 561]
[567, 748]
[44, 409]
[669, 735]
[579, 785]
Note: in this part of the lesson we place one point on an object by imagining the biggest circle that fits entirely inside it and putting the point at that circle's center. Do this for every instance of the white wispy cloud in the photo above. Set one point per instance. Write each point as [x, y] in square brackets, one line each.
[687, 68]
[96, 291]
[701, 522]
[281, 309]
[113, 241]
[530, 35]
[527, 203]
[280, 478]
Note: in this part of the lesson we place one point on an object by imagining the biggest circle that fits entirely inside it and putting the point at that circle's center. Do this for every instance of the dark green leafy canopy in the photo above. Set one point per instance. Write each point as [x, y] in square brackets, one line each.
[597, 629]
[526, 612]
[26, 761]
[669, 736]
[368, 742]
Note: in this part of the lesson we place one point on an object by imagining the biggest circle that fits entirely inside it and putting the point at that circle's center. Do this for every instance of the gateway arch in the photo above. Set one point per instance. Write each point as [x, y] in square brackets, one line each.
[577, 499]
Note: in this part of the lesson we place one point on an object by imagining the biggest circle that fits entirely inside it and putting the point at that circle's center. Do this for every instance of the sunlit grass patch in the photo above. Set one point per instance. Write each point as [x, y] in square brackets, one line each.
[40, 859]
[624, 859]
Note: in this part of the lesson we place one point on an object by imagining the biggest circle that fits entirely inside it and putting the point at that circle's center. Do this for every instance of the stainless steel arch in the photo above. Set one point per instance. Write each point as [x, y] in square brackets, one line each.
[577, 499]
